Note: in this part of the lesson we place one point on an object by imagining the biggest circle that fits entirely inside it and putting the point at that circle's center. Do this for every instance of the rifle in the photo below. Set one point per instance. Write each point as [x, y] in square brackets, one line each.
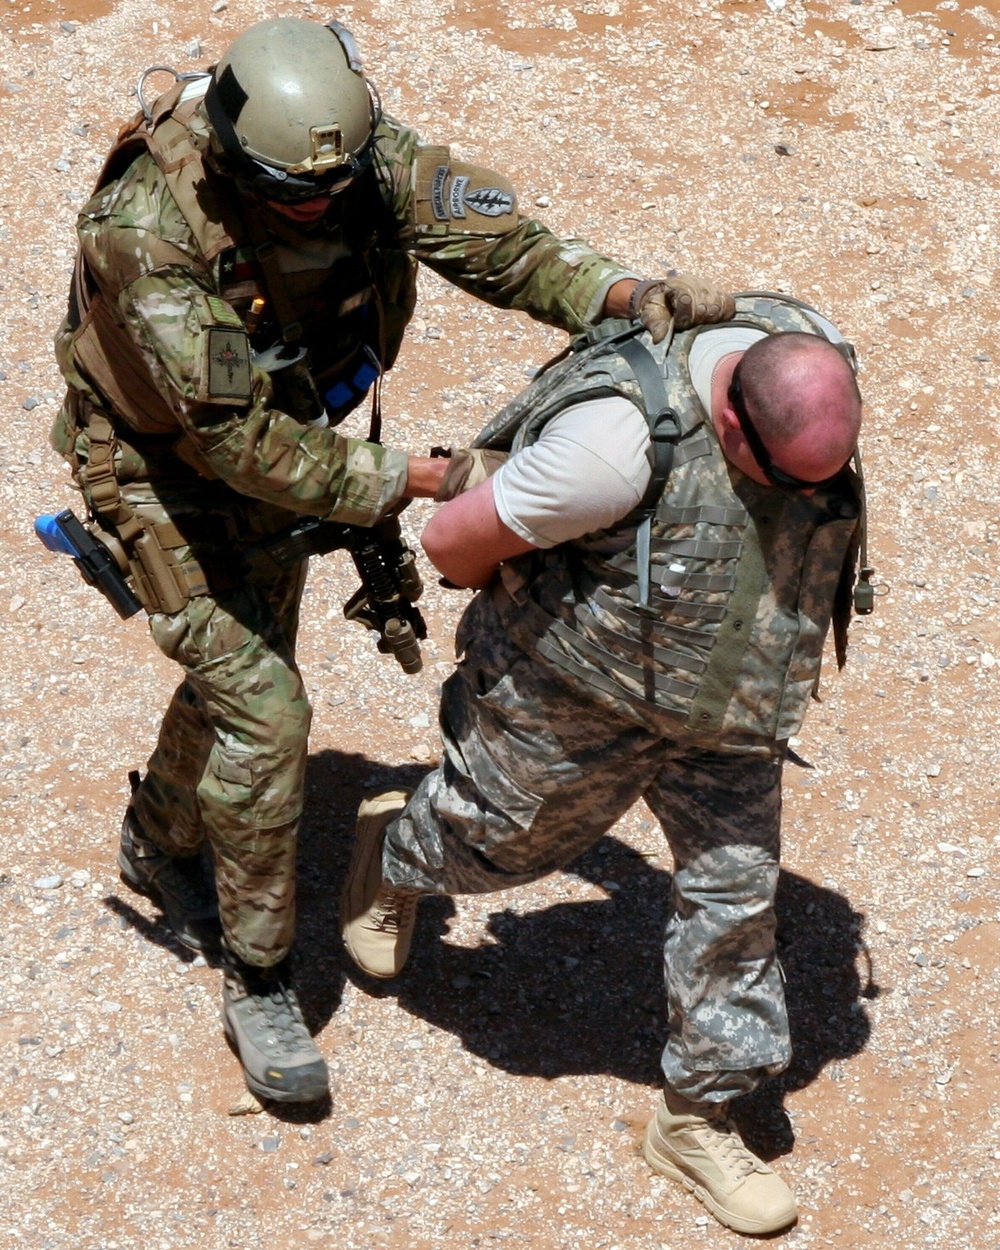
[390, 583]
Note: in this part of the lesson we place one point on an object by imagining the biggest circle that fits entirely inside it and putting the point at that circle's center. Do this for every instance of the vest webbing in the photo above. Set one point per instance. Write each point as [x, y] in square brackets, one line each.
[686, 657]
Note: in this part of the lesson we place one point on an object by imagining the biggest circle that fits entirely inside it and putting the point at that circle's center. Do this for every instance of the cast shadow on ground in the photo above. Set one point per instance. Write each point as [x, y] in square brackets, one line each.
[157, 931]
[575, 988]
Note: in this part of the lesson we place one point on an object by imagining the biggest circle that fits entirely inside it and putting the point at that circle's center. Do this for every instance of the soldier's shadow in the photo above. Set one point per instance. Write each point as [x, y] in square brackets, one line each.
[576, 988]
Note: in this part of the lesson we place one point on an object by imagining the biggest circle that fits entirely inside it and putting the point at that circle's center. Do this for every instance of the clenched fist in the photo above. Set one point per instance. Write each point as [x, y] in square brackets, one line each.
[683, 299]
[467, 468]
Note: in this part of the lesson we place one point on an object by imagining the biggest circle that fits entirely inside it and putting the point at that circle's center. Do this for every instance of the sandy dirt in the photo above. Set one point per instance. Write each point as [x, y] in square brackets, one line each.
[842, 152]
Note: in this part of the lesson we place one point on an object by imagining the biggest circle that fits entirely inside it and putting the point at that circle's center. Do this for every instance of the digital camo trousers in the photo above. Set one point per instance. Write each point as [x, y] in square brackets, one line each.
[532, 775]
[229, 765]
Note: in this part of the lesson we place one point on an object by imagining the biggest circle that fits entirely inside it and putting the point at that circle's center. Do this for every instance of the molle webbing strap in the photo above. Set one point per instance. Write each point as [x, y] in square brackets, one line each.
[162, 582]
[675, 659]
[697, 445]
[719, 681]
[669, 515]
[598, 681]
[708, 548]
[644, 560]
[664, 428]
[683, 634]
[651, 682]
[266, 254]
[700, 611]
[712, 582]
[544, 631]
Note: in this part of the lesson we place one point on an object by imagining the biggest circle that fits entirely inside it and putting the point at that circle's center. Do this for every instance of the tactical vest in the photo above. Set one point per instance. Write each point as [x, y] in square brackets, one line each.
[336, 298]
[743, 577]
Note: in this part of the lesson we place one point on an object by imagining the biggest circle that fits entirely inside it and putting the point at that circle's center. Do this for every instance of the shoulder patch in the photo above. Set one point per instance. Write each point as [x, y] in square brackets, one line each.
[226, 376]
[466, 197]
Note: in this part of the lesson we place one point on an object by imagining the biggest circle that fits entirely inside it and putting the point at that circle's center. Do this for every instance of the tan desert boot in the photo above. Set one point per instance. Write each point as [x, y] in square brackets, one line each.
[376, 920]
[707, 1155]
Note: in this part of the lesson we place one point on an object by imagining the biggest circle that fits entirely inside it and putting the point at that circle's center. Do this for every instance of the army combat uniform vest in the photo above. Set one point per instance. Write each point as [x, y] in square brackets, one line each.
[743, 579]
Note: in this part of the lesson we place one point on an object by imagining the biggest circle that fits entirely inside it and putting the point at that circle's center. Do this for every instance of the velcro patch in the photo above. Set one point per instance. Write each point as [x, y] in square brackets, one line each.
[472, 199]
[227, 375]
[223, 313]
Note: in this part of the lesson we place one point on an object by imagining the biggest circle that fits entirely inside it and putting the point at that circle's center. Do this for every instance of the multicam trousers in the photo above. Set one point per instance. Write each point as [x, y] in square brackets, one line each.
[532, 775]
[229, 765]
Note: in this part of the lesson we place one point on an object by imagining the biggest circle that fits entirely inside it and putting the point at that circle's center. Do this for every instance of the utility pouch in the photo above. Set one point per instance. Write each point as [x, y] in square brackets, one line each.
[155, 583]
[166, 572]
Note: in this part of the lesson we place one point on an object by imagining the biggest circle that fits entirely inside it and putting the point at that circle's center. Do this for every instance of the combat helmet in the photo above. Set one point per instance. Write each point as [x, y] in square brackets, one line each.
[292, 113]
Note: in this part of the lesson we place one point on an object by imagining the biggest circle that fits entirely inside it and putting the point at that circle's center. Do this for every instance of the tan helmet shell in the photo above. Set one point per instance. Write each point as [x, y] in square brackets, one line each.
[307, 107]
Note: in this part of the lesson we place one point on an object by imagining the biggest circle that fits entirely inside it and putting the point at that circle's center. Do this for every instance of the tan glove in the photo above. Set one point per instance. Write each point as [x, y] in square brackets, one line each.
[682, 298]
[466, 469]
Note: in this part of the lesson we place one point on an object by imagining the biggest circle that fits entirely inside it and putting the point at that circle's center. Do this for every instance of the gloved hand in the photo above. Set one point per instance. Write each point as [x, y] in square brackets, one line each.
[466, 469]
[682, 298]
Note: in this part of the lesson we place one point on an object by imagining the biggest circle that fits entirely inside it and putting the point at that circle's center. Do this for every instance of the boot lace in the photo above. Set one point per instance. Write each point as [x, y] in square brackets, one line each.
[183, 878]
[393, 911]
[722, 1140]
[189, 885]
[281, 1014]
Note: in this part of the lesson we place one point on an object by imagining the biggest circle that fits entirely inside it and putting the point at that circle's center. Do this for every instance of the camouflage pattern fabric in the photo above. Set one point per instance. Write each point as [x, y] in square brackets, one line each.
[202, 441]
[533, 773]
[758, 567]
[230, 760]
[169, 302]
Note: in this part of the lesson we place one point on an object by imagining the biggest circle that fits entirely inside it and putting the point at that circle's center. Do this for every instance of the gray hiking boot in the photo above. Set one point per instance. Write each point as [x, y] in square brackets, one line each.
[376, 920]
[182, 887]
[703, 1150]
[263, 1021]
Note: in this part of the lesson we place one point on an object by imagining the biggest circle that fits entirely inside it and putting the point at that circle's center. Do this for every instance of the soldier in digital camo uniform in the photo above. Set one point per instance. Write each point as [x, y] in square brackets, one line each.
[661, 558]
[246, 270]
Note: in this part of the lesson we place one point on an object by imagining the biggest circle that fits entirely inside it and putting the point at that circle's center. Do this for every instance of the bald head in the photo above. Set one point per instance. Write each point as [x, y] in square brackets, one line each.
[801, 394]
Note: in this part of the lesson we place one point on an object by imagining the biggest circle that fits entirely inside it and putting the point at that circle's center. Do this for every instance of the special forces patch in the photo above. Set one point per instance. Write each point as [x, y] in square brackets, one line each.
[455, 200]
[228, 373]
[478, 200]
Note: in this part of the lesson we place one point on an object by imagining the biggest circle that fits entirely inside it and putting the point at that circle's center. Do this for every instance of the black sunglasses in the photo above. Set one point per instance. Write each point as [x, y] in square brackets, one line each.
[776, 476]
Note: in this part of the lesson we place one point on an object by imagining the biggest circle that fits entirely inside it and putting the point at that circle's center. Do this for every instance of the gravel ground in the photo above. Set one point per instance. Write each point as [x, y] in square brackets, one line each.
[844, 152]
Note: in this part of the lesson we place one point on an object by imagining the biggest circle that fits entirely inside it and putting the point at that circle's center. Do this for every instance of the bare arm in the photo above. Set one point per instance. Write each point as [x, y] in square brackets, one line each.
[423, 476]
[466, 541]
[617, 298]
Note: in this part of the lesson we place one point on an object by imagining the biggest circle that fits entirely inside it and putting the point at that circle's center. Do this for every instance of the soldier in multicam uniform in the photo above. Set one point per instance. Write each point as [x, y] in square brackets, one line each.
[247, 268]
[661, 557]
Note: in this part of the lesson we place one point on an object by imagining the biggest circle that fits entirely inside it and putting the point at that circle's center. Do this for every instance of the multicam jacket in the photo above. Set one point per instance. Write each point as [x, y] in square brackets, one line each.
[157, 333]
[744, 577]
